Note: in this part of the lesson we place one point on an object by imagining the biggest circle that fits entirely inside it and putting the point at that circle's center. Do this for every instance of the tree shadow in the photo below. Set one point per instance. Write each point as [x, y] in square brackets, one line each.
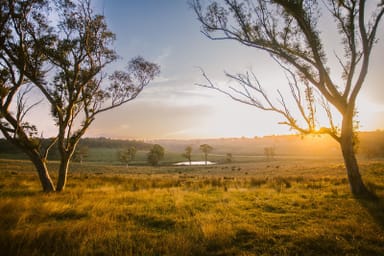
[375, 207]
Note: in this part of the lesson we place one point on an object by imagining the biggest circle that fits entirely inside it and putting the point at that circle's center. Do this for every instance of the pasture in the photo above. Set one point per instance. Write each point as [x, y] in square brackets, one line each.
[281, 207]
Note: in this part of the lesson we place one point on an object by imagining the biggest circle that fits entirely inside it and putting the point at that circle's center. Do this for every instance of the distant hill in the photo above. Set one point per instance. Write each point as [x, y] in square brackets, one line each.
[371, 144]
[112, 143]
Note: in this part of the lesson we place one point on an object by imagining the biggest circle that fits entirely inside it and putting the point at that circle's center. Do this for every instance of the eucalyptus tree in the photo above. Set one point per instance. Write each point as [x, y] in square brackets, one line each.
[289, 31]
[127, 155]
[21, 58]
[188, 154]
[155, 154]
[206, 149]
[65, 60]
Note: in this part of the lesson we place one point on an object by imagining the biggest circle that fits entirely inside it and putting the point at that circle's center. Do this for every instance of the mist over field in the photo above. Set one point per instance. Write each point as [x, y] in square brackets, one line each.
[243, 149]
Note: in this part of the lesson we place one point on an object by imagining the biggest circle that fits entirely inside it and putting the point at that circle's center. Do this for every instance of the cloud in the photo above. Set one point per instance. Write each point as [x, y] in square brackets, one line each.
[177, 92]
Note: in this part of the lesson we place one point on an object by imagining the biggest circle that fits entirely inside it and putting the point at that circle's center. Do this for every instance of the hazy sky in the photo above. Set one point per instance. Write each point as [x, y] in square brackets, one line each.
[167, 32]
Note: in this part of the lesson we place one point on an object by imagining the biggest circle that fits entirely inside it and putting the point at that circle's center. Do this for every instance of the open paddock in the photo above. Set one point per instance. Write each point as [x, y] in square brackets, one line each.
[282, 207]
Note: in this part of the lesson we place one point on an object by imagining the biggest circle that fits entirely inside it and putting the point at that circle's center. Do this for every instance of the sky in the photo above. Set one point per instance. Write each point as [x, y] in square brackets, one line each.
[173, 106]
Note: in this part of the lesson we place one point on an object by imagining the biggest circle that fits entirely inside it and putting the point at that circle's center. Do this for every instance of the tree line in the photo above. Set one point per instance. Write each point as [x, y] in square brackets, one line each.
[157, 153]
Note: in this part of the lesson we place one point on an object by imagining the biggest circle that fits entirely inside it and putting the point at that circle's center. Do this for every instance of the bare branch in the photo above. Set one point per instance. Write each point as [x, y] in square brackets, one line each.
[22, 106]
[48, 148]
[250, 88]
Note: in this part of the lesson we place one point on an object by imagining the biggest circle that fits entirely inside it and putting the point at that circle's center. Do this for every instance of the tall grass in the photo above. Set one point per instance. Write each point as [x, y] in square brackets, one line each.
[297, 208]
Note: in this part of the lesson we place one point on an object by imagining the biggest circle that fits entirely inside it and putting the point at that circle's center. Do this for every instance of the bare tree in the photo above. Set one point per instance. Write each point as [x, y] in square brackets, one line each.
[289, 32]
[66, 63]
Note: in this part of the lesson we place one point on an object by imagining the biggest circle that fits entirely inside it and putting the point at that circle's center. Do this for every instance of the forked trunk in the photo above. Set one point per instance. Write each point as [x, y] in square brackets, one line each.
[63, 173]
[347, 144]
[42, 170]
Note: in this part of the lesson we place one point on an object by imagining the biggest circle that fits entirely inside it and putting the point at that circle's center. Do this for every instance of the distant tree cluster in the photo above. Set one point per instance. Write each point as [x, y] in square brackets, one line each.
[156, 154]
[204, 148]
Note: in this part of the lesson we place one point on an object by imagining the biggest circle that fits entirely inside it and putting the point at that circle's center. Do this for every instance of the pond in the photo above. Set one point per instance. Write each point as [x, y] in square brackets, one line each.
[195, 163]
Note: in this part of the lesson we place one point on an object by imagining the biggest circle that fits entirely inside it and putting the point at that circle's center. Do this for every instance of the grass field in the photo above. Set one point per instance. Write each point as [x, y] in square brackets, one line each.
[290, 207]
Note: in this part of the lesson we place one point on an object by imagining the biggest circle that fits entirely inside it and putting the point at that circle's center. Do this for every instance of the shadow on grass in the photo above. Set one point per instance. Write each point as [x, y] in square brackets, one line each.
[246, 241]
[153, 222]
[375, 207]
[18, 193]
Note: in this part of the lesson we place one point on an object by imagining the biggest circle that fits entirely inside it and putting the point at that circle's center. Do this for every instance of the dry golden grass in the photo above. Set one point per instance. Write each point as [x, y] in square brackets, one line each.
[275, 208]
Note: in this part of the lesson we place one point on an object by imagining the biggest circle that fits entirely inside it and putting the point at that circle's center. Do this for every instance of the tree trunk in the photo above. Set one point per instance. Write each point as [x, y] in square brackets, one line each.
[63, 173]
[42, 170]
[347, 144]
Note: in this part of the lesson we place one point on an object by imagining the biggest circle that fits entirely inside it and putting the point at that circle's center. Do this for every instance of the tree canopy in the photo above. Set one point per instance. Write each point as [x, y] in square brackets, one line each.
[156, 154]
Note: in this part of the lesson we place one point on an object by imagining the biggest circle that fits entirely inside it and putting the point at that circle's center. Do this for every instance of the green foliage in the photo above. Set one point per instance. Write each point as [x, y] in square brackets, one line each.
[188, 153]
[205, 148]
[156, 154]
[127, 155]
